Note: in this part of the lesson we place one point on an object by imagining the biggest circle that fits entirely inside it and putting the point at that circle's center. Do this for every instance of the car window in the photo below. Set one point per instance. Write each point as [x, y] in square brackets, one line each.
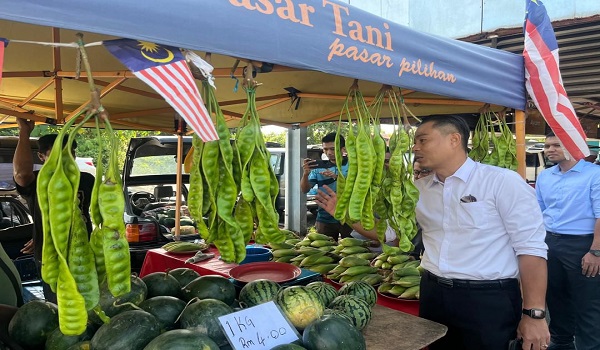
[12, 212]
[276, 163]
[154, 165]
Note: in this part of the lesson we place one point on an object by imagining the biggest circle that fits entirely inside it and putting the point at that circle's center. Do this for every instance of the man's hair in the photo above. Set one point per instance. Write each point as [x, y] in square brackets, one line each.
[46, 142]
[450, 123]
[551, 134]
[331, 138]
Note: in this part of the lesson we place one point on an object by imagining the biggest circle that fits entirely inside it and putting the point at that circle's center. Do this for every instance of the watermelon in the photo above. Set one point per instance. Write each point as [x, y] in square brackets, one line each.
[301, 305]
[166, 309]
[84, 345]
[33, 322]
[182, 339]
[113, 305]
[357, 309]
[332, 332]
[210, 287]
[360, 289]
[338, 313]
[161, 283]
[58, 341]
[202, 316]
[129, 330]
[258, 292]
[184, 275]
[288, 347]
[326, 291]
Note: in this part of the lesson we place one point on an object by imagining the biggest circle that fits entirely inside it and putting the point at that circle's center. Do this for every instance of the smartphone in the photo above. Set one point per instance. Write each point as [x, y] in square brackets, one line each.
[320, 163]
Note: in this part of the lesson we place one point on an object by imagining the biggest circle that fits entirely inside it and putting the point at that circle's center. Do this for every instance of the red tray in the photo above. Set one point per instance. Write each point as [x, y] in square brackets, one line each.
[270, 270]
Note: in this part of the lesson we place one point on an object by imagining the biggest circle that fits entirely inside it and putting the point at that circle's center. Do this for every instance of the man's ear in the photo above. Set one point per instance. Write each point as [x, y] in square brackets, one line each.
[40, 156]
[455, 138]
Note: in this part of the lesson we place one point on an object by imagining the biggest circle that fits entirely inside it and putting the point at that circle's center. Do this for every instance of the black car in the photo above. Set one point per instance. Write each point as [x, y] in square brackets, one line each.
[149, 186]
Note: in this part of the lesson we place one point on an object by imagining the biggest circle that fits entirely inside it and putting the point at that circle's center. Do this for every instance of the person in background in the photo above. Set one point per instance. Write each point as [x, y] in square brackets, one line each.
[483, 233]
[569, 197]
[326, 198]
[26, 178]
[418, 172]
[321, 176]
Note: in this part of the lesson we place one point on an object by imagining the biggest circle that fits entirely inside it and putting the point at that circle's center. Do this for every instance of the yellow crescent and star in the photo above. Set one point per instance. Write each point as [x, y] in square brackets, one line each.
[152, 48]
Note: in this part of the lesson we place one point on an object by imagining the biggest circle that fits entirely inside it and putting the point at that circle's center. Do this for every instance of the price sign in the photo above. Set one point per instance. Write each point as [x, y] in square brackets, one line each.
[258, 327]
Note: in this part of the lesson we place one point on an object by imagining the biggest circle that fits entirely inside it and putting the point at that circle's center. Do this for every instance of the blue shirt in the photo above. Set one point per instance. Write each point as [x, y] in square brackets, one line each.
[570, 201]
[316, 178]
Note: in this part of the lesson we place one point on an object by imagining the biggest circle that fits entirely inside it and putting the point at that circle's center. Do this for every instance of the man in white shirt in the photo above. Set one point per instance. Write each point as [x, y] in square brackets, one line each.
[483, 232]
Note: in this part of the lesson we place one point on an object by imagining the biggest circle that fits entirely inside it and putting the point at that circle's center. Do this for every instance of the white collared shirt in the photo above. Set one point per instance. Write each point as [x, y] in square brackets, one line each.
[480, 236]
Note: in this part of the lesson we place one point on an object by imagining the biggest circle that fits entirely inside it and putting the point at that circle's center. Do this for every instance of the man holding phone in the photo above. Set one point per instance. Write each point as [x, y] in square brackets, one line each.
[321, 173]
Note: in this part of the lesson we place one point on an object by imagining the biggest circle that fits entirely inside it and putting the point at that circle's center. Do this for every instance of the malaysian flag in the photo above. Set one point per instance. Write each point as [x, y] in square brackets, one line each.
[3, 43]
[165, 70]
[544, 83]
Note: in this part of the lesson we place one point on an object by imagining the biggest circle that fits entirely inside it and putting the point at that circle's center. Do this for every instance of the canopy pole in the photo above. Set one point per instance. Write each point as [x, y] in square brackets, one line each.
[179, 176]
[520, 138]
[56, 65]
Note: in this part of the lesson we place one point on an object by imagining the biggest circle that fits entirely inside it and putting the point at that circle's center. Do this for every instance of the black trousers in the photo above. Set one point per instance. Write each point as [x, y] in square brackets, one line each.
[573, 299]
[333, 230]
[477, 318]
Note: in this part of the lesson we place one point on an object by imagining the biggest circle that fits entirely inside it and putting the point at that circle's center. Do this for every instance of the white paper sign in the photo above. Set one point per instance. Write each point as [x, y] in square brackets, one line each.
[259, 327]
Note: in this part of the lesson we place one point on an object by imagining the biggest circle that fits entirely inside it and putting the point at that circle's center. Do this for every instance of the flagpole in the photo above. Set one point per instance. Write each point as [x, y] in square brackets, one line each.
[178, 180]
[520, 138]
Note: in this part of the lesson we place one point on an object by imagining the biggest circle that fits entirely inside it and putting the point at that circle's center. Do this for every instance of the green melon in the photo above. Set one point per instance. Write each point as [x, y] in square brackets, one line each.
[210, 287]
[360, 289]
[112, 306]
[33, 322]
[338, 313]
[301, 305]
[129, 330]
[161, 283]
[184, 275]
[84, 345]
[357, 309]
[202, 316]
[58, 341]
[166, 309]
[288, 347]
[182, 339]
[258, 292]
[332, 332]
[326, 291]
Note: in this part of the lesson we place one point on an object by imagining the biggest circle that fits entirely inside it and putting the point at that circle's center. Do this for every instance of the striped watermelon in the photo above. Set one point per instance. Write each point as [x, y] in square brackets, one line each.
[301, 305]
[357, 309]
[360, 289]
[325, 291]
[258, 292]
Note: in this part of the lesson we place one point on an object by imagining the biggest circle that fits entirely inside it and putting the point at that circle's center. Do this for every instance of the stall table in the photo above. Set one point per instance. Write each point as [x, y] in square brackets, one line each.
[389, 329]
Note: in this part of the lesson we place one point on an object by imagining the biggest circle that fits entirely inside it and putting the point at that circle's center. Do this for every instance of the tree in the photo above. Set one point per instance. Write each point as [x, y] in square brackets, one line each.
[275, 137]
[316, 132]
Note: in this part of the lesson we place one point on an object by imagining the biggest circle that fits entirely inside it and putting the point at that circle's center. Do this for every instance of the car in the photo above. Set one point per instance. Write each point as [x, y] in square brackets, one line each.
[149, 187]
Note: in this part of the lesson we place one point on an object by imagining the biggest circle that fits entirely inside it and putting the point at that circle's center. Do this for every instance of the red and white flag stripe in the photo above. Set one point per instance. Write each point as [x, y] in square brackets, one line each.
[167, 80]
[544, 84]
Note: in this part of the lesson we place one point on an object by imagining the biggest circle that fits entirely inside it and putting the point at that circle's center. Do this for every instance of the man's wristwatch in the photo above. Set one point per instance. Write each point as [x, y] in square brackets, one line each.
[595, 252]
[535, 313]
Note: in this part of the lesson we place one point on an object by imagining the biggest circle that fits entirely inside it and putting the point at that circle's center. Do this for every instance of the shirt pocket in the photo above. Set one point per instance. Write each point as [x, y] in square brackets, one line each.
[472, 216]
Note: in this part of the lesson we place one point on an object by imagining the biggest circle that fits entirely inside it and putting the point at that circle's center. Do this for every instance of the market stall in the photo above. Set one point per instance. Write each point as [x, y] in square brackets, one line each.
[312, 51]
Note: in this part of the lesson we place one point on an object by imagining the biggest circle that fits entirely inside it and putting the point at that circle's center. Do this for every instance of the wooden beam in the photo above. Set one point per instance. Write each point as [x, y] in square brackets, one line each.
[13, 103]
[98, 74]
[30, 116]
[56, 65]
[110, 87]
[261, 98]
[27, 74]
[520, 138]
[126, 89]
[142, 113]
[36, 92]
[272, 103]
[325, 117]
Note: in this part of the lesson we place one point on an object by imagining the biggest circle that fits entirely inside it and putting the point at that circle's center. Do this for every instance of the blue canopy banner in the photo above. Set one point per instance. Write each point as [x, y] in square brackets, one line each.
[321, 35]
